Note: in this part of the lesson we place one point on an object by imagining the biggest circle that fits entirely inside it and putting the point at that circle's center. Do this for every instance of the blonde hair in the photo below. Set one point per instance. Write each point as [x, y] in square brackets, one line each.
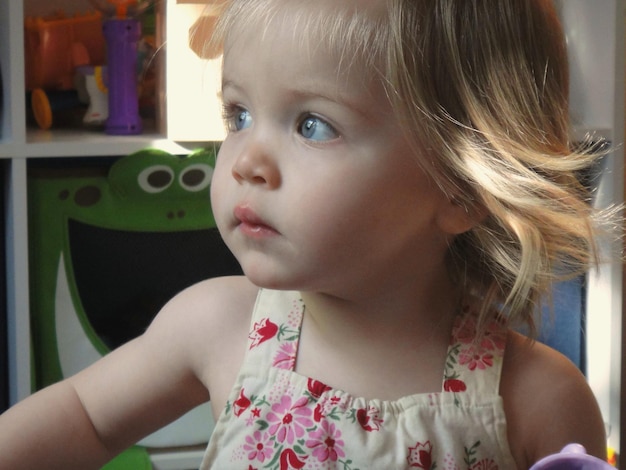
[481, 90]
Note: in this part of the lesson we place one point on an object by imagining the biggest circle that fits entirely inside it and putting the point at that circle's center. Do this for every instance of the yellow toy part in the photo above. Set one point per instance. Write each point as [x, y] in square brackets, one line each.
[41, 108]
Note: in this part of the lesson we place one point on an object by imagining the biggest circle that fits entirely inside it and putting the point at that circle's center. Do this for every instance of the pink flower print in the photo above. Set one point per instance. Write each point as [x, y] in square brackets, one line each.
[259, 446]
[294, 318]
[241, 404]
[286, 356]
[464, 329]
[289, 459]
[494, 338]
[421, 456]
[326, 443]
[288, 421]
[369, 419]
[262, 331]
[454, 385]
[449, 463]
[475, 358]
[485, 464]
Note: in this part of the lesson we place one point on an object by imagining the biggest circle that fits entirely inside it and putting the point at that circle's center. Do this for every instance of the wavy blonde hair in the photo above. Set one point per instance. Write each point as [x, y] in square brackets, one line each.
[481, 90]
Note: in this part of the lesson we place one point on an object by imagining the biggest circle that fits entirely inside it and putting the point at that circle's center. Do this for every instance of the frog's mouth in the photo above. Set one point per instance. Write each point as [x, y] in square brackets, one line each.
[123, 277]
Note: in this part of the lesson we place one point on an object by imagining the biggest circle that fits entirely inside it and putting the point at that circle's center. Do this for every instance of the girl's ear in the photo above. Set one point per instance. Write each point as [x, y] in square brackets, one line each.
[455, 217]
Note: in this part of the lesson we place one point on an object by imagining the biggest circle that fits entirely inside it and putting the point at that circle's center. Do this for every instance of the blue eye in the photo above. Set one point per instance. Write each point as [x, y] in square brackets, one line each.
[242, 120]
[314, 128]
[237, 119]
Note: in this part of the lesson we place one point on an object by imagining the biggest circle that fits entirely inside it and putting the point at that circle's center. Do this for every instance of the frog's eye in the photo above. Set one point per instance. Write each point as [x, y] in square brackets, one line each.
[156, 178]
[196, 177]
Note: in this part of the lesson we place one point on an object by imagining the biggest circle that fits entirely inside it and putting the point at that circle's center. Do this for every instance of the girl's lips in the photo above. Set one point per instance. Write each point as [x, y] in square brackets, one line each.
[251, 224]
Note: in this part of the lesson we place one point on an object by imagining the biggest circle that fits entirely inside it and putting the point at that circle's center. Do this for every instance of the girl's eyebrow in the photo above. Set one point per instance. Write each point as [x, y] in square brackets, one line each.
[339, 98]
[229, 84]
[309, 92]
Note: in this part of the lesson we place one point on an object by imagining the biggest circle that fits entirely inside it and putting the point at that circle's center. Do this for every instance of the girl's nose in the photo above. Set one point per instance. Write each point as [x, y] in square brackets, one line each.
[254, 165]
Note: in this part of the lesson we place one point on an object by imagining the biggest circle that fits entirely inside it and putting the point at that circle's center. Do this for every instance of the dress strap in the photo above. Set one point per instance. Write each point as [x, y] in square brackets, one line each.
[275, 329]
[474, 365]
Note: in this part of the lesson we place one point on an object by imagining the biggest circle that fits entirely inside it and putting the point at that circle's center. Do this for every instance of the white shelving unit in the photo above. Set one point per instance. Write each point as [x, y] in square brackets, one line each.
[595, 31]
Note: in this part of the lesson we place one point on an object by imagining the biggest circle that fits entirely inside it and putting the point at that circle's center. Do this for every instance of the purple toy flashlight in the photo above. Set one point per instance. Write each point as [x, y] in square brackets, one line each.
[122, 36]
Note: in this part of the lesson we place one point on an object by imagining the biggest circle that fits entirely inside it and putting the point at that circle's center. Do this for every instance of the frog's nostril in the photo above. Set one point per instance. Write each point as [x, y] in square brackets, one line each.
[87, 196]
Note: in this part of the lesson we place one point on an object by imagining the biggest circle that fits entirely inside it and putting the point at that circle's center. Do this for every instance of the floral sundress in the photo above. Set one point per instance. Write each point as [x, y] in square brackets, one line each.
[277, 419]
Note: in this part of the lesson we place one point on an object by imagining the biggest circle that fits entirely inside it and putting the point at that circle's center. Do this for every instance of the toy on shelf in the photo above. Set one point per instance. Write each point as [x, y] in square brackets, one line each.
[122, 32]
[55, 47]
[97, 91]
[87, 59]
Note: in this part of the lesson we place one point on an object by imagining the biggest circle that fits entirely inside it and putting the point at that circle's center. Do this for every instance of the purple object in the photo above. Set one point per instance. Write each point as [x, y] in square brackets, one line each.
[572, 457]
[122, 37]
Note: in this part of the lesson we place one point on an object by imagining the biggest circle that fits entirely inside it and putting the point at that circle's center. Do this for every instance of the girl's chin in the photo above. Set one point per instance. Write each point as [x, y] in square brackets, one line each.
[261, 278]
[265, 280]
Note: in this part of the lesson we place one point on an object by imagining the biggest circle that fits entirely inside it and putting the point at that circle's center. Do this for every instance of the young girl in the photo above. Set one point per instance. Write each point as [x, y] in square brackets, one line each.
[399, 187]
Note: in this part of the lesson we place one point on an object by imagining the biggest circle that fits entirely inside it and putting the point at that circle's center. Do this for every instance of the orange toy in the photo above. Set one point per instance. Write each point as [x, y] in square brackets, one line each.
[56, 45]
[121, 7]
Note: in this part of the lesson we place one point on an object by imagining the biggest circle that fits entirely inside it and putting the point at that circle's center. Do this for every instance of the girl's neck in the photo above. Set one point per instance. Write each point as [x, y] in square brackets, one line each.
[384, 346]
[410, 307]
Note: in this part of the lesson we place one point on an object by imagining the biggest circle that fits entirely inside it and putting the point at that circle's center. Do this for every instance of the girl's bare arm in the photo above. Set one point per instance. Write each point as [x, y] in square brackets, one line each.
[87, 419]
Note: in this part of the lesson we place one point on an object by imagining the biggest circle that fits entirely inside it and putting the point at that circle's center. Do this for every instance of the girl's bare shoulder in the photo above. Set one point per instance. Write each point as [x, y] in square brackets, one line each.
[211, 304]
[548, 403]
[210, 322]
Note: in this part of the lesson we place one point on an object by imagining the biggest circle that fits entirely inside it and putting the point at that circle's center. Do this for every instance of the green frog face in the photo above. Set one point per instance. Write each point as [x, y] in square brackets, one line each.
[109, 248]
